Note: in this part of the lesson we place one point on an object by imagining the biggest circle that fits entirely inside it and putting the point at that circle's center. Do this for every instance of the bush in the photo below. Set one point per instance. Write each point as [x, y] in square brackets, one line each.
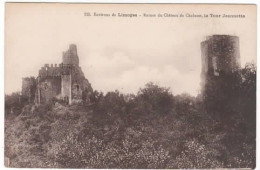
[112, 102]
[154, 99]
[14, 103]
[196, 155]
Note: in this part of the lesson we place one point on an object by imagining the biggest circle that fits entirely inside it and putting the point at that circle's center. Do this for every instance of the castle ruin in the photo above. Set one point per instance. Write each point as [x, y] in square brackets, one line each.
[219, 53]
[64, 81]
[220, 56]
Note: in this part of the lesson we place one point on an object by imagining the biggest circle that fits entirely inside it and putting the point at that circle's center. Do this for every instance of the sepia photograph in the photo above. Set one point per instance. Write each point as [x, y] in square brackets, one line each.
[130, 86]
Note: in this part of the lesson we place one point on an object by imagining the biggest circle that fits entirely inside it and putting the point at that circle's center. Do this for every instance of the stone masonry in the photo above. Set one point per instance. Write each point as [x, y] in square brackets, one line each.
[220, 56]
[64, 81]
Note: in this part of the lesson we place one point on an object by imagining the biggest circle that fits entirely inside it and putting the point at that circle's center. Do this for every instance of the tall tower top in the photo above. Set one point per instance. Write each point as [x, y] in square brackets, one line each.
[70, 57]
[73, 48]
[220, 55]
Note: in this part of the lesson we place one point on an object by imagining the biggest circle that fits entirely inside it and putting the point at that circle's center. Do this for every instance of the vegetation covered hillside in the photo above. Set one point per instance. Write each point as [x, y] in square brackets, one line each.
[153, 129]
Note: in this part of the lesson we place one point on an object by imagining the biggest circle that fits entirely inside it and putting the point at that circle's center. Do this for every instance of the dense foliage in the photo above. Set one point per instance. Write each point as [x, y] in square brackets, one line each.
[152, 129]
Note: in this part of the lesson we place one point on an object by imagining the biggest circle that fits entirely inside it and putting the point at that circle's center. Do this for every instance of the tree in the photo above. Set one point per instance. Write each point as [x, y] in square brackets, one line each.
[153, 98]
[222, 94]
[248, 95]
[14, 103]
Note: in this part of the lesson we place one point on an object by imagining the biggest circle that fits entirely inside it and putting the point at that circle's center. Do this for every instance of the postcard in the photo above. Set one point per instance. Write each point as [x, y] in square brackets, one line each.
[130, 86]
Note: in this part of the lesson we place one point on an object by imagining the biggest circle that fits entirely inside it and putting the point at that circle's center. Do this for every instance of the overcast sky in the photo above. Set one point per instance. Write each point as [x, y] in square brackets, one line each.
[120, 53]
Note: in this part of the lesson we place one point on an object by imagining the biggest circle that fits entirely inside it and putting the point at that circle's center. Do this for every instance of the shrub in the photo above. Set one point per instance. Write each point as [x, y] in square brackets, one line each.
[14, 103]
[112, 102]
[155, 99]
[196, 155]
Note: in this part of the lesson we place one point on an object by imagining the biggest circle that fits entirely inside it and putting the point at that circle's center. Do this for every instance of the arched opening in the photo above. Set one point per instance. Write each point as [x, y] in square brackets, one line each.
[45, 85]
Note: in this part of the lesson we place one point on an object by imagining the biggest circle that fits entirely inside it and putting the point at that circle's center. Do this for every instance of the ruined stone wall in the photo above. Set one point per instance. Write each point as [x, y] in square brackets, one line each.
[49, 88]
[54, 70]
[50, 70]
[66, 88]
[65, 81]
[29, 88]
[79, 85]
